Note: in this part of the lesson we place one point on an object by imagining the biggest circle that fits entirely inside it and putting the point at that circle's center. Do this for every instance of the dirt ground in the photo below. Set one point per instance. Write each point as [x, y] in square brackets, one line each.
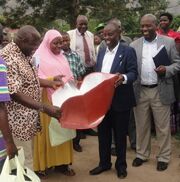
[88, 159]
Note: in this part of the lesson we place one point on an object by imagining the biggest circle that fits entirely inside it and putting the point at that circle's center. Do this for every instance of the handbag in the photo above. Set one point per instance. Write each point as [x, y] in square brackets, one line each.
[59, 135]
[20, 174]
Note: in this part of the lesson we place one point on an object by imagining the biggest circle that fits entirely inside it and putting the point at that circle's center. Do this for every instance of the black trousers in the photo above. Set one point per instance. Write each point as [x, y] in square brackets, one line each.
[118, 122]
[76, 140]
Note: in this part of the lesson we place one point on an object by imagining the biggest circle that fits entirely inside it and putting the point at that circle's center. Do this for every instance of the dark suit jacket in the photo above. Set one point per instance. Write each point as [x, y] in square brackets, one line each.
[125, 62]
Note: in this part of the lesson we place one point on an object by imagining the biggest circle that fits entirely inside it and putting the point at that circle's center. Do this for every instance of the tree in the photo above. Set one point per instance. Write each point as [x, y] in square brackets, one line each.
[176, 23]
[43, 13]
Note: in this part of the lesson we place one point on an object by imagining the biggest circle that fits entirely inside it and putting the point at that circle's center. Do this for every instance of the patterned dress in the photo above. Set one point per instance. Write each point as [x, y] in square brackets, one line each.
[22, 77]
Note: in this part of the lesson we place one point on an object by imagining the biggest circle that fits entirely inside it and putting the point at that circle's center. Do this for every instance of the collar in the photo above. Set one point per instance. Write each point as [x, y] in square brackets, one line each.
[147, 42]
[78, 33]
[122, 39]
[114, 50]
[18, 50]
[68, 53]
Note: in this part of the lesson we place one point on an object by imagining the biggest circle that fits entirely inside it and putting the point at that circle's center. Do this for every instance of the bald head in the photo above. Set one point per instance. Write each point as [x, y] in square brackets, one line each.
[149, 26]
[82, 23]
[150, 17]
[111, 35]
[113, 26]
[116, 21]
[81, 17]
[27, 33]
[27, 39]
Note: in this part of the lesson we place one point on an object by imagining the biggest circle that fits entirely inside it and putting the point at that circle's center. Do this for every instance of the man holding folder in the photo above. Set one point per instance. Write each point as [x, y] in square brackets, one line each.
[154, 91]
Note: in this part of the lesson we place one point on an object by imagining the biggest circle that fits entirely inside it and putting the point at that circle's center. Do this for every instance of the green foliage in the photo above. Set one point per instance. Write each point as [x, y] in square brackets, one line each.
[2, 19]
[2, 2]
[46, 13]
[60, 25]
[176, 23]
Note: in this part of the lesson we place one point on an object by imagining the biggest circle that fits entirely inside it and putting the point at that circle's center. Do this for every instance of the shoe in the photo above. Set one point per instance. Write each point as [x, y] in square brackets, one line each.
[98, 170]
[42, 174]
[91, 132]
[161, 166]
[77, 147]
[122, 173]
[113, 151]
[65, 169]
[138, 162]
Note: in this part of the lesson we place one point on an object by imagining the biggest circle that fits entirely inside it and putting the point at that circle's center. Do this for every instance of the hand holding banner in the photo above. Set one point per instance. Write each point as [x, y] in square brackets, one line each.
[85, 107]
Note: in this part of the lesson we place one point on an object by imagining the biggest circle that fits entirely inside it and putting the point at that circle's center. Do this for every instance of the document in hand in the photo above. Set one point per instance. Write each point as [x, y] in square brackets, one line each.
[161, 57]
[85, 107]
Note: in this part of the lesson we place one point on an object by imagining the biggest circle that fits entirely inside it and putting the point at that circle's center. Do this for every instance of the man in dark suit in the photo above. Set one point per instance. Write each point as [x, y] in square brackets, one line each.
[118, 59]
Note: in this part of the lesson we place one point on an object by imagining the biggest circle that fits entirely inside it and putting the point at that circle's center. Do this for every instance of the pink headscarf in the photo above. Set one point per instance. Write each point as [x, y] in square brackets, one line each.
[51, 65]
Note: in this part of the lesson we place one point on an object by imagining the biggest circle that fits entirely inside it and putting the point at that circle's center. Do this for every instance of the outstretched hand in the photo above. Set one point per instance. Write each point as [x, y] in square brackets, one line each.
[53, 111]
[58, 77]
[57, 82]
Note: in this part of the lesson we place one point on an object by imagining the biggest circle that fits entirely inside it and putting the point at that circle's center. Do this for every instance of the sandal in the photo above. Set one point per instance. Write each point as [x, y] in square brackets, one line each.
[42, 174]
[65, 169]
[68, 172]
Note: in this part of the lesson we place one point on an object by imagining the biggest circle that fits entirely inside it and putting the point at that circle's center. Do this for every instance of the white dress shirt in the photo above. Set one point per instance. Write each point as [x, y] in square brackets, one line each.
[148, 75]
[80, 47]
[108, 61]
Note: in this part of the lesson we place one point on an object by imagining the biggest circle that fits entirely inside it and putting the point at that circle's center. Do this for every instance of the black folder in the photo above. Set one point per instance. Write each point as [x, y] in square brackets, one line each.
[161, 58]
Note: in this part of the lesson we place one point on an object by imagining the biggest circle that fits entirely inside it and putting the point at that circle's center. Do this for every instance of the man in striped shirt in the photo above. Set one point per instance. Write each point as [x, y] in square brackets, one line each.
[7, 145]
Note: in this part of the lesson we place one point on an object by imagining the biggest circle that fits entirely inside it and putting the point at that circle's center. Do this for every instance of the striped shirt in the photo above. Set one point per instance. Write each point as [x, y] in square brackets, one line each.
[4, 97]
[75, 63]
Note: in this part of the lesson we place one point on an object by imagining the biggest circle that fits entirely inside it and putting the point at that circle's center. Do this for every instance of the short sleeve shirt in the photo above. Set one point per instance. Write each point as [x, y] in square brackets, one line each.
[4, 97]
[75, 64]
[22, 77]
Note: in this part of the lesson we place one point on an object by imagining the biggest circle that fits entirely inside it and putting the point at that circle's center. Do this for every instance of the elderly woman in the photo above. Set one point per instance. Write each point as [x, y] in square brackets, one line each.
[51, 63]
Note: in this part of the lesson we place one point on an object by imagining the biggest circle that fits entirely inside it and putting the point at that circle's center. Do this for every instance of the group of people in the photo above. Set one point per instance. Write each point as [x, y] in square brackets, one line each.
[31, 71]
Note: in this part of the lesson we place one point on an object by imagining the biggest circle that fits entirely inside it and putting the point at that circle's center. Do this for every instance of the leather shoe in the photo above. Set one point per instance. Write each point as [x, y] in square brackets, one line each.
[98, 170]
[161, 166]
[77, 147]
[121, 173]
[138, 162]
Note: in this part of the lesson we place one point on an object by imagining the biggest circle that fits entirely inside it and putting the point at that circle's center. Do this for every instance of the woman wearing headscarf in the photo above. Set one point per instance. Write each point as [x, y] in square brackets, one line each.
[51, 63]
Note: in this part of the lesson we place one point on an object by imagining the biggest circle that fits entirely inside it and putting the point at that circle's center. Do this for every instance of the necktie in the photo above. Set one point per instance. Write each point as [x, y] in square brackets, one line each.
[86, 50]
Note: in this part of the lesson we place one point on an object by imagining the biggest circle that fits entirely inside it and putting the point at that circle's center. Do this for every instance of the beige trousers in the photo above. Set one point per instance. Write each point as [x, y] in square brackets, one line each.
[28, 152]
[150, 102]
